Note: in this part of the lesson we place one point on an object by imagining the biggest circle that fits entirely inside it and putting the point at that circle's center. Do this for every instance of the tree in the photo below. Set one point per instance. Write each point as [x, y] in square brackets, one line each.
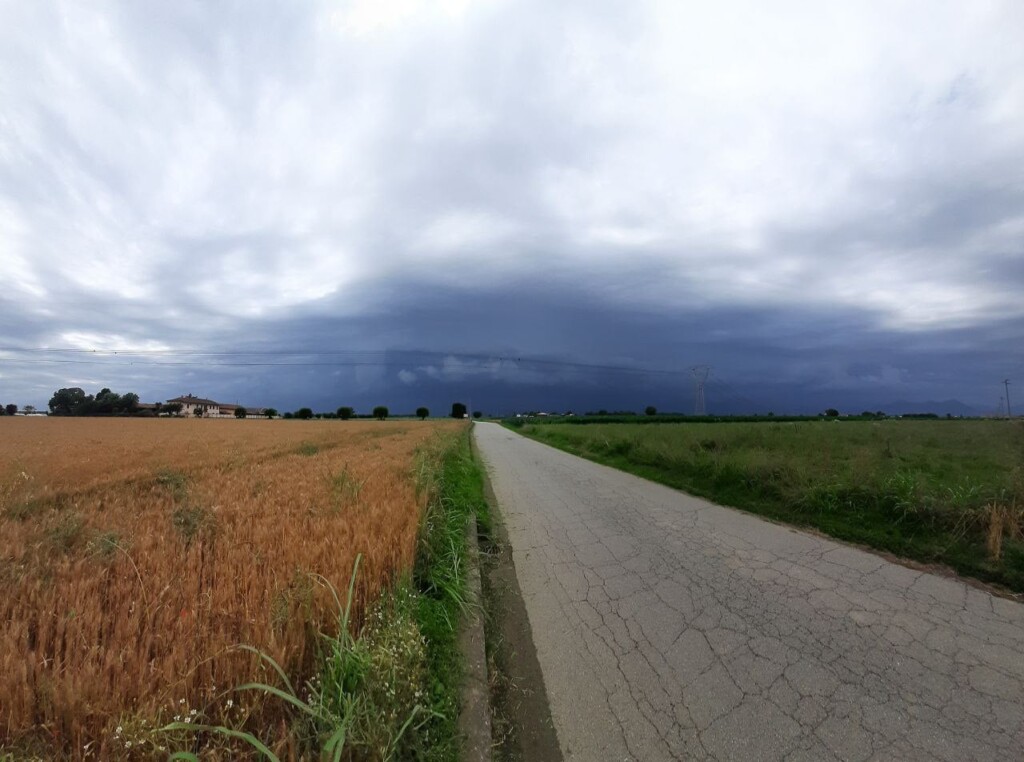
[198, 411]
[422, 412]
[458, 410]
[477, 414]
[288, 416]
[107, 402]
[304, 413]
[650, 410]
[831, 413]
[240, 412]
[344, 413]
[11, 409]
[29, 409]
[68, 401]
[129, 402]
[380, 412]
[171, 408]
[270, 412]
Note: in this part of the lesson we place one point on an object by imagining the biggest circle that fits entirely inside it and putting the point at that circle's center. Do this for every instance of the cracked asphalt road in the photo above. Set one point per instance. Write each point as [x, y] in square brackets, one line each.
[667, 627]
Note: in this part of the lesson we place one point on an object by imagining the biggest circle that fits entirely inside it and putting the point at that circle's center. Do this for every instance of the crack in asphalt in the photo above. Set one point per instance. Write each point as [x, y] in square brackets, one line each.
[667, 627]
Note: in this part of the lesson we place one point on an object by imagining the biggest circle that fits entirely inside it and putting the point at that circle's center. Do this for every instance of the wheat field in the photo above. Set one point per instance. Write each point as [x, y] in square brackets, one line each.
[136, 554]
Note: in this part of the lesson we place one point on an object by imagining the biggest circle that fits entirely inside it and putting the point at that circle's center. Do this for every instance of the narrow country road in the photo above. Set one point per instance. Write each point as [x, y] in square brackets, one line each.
[670, 628]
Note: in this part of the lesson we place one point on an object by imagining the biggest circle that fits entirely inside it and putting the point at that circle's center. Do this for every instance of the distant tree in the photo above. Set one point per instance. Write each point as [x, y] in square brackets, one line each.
[270, 412]
[304, 413]
[11, 409]
[650, 410]
[422, 412]
[129, 402]
[107, 402]
[458, 410]
[198, 411]
[240, 412]
[68, 401]
[288, 416]
[171, 408]
[380, 412]
[831, 413]
[30, 409]
[477, 414]
[344, 413]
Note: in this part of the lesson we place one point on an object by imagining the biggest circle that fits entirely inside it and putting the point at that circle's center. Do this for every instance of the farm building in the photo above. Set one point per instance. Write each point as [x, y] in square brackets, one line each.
[211, 409]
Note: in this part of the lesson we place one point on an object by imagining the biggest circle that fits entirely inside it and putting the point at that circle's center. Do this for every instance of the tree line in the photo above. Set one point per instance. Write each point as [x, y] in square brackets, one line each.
[380, 412]
[74, 401]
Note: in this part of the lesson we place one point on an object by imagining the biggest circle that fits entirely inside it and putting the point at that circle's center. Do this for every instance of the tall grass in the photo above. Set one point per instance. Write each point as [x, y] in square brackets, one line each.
[937, 491]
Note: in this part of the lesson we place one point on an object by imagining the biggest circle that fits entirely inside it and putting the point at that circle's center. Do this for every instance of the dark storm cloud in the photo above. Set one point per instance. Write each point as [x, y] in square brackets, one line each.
[434, 346]
[820, 204]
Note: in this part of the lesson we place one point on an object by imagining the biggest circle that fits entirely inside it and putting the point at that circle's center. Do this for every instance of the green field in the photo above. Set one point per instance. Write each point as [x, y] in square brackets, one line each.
[949, 492]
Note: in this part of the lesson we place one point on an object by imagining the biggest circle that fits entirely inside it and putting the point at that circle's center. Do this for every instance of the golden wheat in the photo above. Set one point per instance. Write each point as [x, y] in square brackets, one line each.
[134, 554]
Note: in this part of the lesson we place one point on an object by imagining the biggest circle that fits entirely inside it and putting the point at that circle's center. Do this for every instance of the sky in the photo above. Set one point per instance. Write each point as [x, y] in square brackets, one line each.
[520, 205]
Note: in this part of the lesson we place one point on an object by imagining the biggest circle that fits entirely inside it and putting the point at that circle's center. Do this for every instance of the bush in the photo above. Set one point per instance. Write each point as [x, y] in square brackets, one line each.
[344, 413]
[380, 412]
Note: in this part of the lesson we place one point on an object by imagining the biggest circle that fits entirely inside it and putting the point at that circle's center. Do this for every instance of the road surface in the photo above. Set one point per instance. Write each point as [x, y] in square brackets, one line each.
[667, 627]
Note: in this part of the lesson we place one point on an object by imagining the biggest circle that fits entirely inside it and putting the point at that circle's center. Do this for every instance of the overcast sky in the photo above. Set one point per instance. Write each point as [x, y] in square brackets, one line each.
[407, 202]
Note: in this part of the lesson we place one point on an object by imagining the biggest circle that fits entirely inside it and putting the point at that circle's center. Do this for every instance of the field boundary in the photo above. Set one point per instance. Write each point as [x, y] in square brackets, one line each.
[475, 711]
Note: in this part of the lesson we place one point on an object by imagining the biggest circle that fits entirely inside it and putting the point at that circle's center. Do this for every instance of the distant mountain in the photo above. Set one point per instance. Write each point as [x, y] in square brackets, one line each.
[952, 407]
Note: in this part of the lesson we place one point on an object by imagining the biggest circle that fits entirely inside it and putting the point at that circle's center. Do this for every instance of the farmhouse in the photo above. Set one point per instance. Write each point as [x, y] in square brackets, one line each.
[190, 404]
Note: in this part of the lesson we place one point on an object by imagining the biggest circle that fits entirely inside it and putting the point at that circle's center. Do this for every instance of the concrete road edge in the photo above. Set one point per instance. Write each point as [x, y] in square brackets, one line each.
[475, 710]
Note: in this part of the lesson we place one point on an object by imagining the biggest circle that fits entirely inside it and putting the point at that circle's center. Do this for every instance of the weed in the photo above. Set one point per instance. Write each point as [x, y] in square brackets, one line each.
[345, 488]
[66, 534]
[24, 510]
[308, 449]
[191, 520]
[174, 482]
[104, 545]
[294, 601]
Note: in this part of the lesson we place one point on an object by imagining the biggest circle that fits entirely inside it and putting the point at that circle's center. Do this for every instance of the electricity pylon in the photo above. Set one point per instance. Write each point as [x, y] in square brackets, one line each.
[700, 377]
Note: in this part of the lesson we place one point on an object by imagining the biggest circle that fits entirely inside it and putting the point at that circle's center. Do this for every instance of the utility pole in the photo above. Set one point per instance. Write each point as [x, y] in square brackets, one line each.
[1006, 385]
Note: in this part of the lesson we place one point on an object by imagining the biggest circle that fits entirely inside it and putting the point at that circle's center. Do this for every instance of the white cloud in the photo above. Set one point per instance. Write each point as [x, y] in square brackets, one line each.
[242, 164]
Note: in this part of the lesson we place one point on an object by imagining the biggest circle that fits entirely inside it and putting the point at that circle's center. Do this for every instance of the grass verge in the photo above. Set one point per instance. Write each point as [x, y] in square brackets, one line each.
[934, 491]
